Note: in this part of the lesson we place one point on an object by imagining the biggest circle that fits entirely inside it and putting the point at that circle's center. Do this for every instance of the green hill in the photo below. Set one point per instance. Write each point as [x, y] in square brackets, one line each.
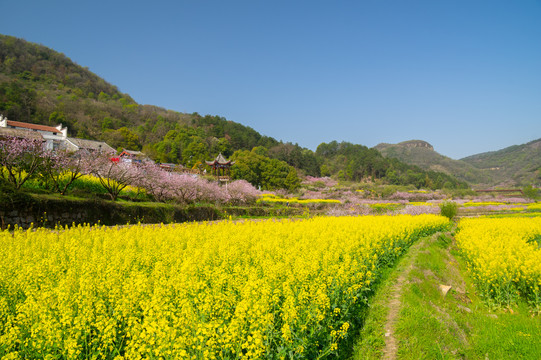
[39, 85]
[357, 162]
[514, 165]
[422, 154]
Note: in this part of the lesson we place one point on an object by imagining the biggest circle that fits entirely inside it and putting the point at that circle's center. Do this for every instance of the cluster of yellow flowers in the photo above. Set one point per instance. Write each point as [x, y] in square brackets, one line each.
[275, 199]
[421, 203]
[504, 257]
[96, 182]
[483, 203]
[534, 206]
[269, 289]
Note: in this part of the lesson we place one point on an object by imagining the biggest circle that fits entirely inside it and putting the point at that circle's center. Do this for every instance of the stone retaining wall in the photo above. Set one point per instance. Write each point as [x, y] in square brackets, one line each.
[52, 212]
[37, 211]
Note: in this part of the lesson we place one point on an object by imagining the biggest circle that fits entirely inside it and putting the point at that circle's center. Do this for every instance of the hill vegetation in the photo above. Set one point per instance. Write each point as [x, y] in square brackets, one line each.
[515, 165]
[39, 85]
[422, 154]
[356, 162]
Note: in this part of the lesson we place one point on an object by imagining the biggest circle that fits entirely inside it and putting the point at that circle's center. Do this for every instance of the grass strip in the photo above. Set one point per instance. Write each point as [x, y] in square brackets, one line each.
[457, 325]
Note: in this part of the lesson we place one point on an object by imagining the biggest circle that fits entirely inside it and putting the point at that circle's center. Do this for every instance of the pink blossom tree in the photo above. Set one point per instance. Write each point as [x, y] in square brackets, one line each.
[115, 176]
[63, 168]
[20, 159]
[154, 180]
[242, 192]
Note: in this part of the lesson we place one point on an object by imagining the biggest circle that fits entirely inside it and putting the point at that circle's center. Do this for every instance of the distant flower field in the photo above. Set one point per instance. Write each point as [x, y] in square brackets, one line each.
[269, 289]
[270, 198]
[504, 257]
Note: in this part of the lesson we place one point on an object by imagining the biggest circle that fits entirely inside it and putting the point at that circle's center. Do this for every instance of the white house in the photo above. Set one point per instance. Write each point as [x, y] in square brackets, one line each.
[54, 137]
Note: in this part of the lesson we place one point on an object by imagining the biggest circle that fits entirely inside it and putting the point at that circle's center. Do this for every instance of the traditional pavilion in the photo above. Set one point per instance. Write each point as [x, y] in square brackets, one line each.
[220, 166]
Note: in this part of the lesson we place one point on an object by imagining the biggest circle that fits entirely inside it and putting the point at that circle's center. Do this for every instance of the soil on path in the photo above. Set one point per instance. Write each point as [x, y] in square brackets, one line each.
[391, 344]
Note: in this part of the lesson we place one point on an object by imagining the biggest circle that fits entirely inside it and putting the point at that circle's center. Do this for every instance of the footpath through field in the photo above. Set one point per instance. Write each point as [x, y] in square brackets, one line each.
[428, 308]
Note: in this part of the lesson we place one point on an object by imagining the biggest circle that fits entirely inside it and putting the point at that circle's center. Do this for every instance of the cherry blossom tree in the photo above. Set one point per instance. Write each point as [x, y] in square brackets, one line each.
[62, 168]
[155, 181]
[20, 159]
[242, 192]
[115, 176]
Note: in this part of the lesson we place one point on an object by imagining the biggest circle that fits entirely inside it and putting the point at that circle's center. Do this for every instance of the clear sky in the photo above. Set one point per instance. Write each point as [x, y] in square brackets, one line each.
[464, 75]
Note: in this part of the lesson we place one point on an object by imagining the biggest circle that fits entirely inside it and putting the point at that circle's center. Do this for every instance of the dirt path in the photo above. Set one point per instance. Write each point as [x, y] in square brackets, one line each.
[391, 345]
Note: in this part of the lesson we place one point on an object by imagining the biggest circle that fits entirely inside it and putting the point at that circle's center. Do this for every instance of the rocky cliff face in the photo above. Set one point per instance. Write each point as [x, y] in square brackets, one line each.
[416, 144]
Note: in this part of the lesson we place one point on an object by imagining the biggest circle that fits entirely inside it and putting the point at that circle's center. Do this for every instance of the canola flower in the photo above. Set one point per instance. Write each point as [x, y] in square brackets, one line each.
[93, 181]
[504, 257]
[482, 203]
[534, 206]
[421, 203]
[271, 198]
[248, 290]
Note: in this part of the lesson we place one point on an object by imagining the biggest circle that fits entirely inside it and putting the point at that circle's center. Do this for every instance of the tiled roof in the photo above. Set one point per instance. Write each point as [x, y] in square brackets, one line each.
[20, 133]
[133, 152]
[19, 124]
[220, 160]
[91, 145]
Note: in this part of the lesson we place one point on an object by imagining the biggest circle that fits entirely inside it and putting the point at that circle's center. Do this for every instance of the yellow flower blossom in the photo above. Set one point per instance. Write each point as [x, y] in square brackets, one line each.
[193, 291]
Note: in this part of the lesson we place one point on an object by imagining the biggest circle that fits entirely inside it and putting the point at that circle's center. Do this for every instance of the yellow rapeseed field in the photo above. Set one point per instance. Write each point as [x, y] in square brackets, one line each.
[268, 289]
[504, 257]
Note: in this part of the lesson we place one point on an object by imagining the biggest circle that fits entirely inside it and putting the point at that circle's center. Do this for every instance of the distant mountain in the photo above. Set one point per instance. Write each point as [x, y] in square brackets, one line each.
[422, 154]
[514, 165]
[357, 162]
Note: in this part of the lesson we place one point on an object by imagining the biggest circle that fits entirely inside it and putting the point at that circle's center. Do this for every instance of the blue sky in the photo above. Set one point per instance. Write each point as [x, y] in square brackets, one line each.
[464, 75]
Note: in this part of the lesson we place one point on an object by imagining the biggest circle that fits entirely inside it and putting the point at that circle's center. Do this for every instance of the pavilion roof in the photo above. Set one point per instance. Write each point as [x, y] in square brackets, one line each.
[220, 160]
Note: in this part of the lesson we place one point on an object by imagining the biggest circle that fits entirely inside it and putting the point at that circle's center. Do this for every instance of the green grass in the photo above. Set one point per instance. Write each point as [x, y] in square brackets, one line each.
[456, 326]
[459, 325]
[371, 339]
[372, 335]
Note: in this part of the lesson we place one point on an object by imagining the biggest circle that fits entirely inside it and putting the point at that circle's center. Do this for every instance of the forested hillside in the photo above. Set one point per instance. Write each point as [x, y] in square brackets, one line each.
[39, 85]
[422, 154]
[514, 165]
[356, 162]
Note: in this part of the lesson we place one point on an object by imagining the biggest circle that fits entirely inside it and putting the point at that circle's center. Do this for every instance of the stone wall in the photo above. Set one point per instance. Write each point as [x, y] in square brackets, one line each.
[25, 218]
[25, 210]
[49, 212]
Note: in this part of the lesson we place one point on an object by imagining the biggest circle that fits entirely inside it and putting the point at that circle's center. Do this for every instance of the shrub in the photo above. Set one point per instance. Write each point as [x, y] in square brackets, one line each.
[530, 192]
[449, 209]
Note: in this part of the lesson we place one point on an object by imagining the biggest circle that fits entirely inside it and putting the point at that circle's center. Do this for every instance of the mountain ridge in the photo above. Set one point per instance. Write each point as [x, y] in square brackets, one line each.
[513, 165]
[516, 165]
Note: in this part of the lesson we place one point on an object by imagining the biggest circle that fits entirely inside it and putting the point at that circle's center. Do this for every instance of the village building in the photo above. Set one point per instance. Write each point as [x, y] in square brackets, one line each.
[54, 137]
[169, 167]
[20, 134]
[91, 146]
[133, 156]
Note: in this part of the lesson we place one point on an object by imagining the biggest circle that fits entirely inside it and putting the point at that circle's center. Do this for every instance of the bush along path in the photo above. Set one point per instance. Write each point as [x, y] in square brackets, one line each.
[428, 308]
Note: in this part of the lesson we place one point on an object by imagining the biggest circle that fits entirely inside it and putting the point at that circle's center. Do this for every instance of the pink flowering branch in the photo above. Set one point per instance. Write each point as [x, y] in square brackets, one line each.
[114, 176]
[20, 159]
[63, 168]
